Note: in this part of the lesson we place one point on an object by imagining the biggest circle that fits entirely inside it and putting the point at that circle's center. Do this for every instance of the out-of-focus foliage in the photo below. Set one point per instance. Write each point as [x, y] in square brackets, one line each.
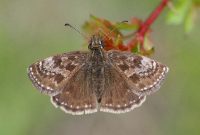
[185, 11]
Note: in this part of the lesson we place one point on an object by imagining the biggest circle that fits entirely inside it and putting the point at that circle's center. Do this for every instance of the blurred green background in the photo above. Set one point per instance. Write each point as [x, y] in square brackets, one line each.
[34, 29]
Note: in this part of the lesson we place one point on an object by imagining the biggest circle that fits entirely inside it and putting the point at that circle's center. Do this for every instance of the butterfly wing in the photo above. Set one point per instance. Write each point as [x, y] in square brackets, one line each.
[144, 73]
[118, 96]
[51, 74]
[78, 96]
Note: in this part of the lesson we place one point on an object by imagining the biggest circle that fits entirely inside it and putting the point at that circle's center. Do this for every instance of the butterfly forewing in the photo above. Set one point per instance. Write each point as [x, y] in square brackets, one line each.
[144, 73]
[52, 74]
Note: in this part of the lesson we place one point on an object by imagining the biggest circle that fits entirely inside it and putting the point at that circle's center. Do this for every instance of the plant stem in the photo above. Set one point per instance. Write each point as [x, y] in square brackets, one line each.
[144, 28]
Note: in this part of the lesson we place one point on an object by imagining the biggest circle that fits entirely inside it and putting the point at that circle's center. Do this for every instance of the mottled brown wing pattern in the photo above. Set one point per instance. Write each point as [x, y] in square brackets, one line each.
[113, 81]
[118, 95]
[52, 74]
[146, 74]
[78, 97]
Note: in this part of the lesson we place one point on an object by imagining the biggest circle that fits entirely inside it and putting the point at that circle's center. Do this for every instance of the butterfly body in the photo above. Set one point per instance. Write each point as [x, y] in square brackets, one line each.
[109, 81]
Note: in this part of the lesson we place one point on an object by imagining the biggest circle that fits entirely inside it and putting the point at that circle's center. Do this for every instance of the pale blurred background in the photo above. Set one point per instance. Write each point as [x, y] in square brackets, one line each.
[34, 29]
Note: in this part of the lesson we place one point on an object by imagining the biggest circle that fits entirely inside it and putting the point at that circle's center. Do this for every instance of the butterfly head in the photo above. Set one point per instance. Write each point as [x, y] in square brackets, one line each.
[96, 42]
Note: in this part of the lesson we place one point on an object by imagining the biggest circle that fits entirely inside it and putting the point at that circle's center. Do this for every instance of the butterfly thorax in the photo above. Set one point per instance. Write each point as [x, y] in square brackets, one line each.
[97, 54]
[97, 60]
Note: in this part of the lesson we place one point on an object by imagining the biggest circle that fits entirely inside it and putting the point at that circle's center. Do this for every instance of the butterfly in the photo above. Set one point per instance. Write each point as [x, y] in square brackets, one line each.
[109, 81]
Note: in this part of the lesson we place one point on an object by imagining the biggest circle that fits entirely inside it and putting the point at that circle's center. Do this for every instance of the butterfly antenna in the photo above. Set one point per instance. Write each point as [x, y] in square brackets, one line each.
[108, 35]
[72, 27]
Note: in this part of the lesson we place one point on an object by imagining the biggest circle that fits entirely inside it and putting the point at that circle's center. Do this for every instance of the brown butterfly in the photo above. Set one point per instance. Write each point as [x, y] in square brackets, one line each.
[111, 81]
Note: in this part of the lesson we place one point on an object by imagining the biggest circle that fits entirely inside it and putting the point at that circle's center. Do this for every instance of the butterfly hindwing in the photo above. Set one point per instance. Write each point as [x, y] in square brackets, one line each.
[118, 96]
[78, 97]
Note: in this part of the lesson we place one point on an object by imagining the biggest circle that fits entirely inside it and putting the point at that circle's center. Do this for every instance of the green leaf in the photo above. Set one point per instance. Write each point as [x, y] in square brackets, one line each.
[189, 20]
[126, 26]
[136, 49]
[182, 7]
[148, 46]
